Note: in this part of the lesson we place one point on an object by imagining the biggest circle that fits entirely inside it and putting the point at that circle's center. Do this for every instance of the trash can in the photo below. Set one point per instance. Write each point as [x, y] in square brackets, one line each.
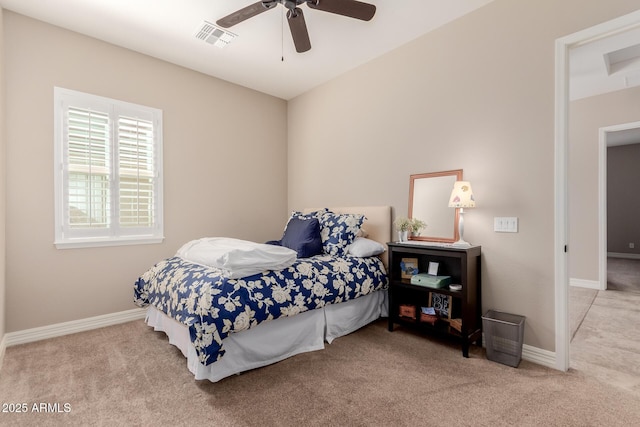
[503, 335]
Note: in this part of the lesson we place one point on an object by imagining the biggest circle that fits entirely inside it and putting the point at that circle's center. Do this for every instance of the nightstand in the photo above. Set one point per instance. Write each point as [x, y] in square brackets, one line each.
[459, 310]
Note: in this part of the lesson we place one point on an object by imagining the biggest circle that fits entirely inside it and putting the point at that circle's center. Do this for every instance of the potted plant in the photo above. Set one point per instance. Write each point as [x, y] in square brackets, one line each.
[403, 226]
[416, 226]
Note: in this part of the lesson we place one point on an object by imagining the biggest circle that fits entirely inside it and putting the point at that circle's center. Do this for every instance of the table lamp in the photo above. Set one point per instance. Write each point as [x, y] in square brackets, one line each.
[461, 197]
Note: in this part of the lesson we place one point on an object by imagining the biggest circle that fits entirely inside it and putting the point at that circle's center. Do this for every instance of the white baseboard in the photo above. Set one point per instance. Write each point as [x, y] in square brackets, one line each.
[67, 328]
[623, 255]
[535, 355]
[582, 283]
[3, 348]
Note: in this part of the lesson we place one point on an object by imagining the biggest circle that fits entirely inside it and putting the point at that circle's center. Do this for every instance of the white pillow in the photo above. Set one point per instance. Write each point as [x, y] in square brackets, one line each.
[363, 247]
[362, 233]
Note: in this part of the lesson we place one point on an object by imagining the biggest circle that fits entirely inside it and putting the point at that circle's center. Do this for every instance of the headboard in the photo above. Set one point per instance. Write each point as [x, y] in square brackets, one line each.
[377, 224]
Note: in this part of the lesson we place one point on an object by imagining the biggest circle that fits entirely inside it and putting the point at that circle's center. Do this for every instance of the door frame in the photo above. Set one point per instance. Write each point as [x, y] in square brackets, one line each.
[603, 144]
[561, 137]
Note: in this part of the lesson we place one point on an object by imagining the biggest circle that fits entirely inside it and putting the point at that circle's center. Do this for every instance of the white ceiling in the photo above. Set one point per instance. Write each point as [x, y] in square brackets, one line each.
[166, 29]
[605, 65]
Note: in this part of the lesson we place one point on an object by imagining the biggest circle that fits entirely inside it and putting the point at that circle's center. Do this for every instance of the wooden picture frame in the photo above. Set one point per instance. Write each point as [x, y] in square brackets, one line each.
[442, 304]
[408, 267]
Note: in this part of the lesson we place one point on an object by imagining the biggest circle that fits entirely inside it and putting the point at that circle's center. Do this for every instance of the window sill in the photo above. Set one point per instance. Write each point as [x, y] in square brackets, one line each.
[97, 243]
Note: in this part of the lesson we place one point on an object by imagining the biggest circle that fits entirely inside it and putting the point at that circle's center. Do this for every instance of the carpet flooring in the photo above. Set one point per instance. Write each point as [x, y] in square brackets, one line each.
[605, 346]
[623, 274]
[605, 343]
[130, 375]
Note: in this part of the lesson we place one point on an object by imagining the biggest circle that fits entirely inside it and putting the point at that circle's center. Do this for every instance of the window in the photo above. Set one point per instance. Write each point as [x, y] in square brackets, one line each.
[108, 171]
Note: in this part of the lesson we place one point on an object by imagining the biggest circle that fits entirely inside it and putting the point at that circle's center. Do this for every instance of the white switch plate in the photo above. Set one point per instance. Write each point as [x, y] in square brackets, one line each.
[505, 224]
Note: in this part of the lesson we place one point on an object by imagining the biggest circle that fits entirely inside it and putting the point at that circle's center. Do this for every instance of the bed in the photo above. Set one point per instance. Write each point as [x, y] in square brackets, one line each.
[225, 322]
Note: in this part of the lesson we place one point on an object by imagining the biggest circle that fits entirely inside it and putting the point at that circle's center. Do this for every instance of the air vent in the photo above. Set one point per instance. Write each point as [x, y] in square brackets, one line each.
[214, 35]
[627, 58]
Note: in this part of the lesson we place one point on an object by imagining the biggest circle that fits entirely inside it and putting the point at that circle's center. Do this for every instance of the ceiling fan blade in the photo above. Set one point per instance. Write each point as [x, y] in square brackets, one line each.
[350, 8]
[298, 28]
[246, 13]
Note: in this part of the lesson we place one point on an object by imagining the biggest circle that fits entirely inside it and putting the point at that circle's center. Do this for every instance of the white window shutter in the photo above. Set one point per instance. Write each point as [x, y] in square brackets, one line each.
[109, 183]
[88, 172]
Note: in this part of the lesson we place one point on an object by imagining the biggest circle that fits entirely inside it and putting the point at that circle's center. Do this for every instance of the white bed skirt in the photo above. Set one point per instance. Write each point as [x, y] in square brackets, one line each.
[275, 340]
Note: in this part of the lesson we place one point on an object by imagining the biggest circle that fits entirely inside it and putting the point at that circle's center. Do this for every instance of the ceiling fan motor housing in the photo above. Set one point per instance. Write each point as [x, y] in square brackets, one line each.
[289, 4]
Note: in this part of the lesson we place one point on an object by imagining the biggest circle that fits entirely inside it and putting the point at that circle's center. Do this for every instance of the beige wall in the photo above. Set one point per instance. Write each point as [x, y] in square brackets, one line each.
[586, 117]
[623, 198]
[476, 94]
[2, 188]
[224, 168]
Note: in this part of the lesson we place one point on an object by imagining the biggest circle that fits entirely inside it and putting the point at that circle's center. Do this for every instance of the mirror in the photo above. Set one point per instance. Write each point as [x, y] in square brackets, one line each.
[429, 201]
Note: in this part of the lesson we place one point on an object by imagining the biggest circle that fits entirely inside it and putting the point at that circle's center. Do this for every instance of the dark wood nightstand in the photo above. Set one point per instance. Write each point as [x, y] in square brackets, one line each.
[462, 265]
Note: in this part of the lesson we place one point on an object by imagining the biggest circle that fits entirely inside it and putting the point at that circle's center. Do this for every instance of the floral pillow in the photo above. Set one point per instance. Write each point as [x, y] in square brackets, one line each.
[338, 231]
[314, 214]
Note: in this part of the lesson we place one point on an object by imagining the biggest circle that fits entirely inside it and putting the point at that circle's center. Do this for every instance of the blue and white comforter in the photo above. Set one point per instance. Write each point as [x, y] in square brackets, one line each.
[213, 306]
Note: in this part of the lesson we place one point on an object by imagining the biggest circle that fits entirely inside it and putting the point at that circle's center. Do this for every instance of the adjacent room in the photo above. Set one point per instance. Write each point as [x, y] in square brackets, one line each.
[165, 162]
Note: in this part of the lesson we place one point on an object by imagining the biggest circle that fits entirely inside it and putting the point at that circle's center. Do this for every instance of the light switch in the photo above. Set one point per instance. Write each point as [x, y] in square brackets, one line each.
[505, 224]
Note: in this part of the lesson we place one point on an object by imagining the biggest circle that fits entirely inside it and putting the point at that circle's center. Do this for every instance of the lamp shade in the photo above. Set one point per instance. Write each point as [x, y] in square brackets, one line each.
[462, 196]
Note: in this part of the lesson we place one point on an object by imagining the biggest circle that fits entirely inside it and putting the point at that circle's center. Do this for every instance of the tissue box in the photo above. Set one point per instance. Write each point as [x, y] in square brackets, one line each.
[430, 281]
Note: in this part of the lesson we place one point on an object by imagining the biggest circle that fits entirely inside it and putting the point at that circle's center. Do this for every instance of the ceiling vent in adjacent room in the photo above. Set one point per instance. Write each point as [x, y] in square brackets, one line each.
[214, 35]
[621, 59]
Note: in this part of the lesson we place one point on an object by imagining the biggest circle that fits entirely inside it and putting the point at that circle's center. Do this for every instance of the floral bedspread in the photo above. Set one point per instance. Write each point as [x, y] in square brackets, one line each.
[213, 306]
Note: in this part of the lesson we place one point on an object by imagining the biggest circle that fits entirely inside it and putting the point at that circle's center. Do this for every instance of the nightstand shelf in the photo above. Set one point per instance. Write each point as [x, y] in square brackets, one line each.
[463, 265]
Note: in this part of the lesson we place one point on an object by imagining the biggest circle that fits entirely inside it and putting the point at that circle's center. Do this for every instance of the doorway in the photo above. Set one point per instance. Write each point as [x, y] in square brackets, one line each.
[622, 135]
[561, 217]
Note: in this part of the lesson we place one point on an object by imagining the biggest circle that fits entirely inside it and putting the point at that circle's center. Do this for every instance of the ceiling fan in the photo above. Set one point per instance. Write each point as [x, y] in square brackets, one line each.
[295, 17]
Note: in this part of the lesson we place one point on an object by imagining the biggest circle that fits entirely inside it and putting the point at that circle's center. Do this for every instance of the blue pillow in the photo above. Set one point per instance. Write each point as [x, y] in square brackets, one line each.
[303, 236]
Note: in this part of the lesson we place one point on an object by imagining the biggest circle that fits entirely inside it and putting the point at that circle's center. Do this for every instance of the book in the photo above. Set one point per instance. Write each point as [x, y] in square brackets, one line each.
[428, 310]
